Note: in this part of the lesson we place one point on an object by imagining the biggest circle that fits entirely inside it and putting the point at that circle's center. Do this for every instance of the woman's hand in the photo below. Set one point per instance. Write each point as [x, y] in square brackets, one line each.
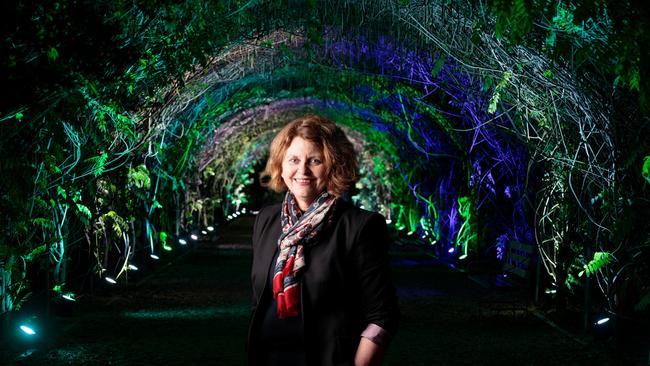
[368, 353]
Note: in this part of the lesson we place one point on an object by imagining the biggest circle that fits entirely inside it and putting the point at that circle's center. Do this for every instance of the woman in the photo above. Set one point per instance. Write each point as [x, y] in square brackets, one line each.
[322, 292]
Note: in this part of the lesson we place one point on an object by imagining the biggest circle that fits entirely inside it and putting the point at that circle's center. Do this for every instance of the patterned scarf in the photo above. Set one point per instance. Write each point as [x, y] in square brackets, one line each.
[298, 231]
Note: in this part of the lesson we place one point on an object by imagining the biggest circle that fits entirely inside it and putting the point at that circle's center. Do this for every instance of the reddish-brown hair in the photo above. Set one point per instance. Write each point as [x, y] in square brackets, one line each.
[339, 155]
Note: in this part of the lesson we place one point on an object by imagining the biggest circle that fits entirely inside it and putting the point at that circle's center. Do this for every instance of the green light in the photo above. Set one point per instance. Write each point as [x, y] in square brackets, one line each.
[27, 330]
[462, 256]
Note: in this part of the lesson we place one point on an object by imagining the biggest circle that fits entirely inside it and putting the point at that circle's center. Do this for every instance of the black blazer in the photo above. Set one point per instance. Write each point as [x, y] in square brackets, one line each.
[345, 285]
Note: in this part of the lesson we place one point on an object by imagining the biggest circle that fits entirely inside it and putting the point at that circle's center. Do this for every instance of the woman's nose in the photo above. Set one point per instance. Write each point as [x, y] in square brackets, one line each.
[304, 169]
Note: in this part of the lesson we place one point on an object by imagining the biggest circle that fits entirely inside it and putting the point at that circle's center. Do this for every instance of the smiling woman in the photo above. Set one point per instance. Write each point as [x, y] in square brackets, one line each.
[322, 291]
[303, 171]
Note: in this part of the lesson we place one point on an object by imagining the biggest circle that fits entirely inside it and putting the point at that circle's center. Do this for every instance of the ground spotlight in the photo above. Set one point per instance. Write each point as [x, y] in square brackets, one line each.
[153, 256]
[602, 321]
[210, 228]
[194, 237]
[204, 232]
[110, 280]
[451, 250]
[69, 296]
[27, 330]
[462, 256]
[132, 267]
[182, 241]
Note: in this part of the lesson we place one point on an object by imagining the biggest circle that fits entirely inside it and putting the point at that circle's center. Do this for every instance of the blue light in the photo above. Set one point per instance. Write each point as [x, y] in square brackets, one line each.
[27, 330]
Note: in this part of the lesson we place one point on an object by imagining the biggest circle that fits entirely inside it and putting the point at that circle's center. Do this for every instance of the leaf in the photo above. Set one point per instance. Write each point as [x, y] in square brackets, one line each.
[84, 214]
[645, 171]
[601, 259]
[139, 177]
[440, 62]
[45, 224]
[52, 54]
[36, 252]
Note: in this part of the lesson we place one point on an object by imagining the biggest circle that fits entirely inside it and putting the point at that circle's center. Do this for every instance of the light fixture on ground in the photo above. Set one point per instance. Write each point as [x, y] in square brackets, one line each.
[204, 232]
[153, 256]
[451, 250]
[182, 241]
[69, 296]
[194, 237]
[602, 321]
[27, 330]
[133, 267]
[210, 228]
[110, 280]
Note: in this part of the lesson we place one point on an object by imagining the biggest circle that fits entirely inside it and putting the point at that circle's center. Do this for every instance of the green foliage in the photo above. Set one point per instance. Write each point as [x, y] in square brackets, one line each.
[139, 177]
[99, 163]
[600, 260]
[645, 170]
[84, 214]
[39, 250]
[494, 100]
[117, 224]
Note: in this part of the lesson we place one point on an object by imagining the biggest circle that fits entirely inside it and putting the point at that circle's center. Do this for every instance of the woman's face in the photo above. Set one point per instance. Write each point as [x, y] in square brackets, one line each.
[304, 171]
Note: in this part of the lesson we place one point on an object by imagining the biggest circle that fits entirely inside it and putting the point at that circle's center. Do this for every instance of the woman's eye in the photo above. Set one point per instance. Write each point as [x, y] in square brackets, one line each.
[293, 161]
[315, 161]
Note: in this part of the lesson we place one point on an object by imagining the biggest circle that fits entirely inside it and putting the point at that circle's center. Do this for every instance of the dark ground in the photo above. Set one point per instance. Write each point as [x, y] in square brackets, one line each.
[194, 311]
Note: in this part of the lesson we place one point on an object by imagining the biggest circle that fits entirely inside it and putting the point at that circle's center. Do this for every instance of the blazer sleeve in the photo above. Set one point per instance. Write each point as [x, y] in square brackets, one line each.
[377, 292]
[257, 227]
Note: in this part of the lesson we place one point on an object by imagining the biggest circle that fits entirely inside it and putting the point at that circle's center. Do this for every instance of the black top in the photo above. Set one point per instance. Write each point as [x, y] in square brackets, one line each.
[276, 333]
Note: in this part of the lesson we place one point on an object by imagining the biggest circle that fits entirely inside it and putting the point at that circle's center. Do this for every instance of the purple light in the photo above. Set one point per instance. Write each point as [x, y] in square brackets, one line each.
[451, 250]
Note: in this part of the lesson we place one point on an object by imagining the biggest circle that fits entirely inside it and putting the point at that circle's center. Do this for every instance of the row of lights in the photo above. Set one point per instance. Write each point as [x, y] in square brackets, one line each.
[30, 331]
[236, 214]
[154, 256]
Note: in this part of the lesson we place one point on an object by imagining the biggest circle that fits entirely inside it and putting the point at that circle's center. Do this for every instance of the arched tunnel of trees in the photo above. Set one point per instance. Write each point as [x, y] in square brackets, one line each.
[504, 136]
